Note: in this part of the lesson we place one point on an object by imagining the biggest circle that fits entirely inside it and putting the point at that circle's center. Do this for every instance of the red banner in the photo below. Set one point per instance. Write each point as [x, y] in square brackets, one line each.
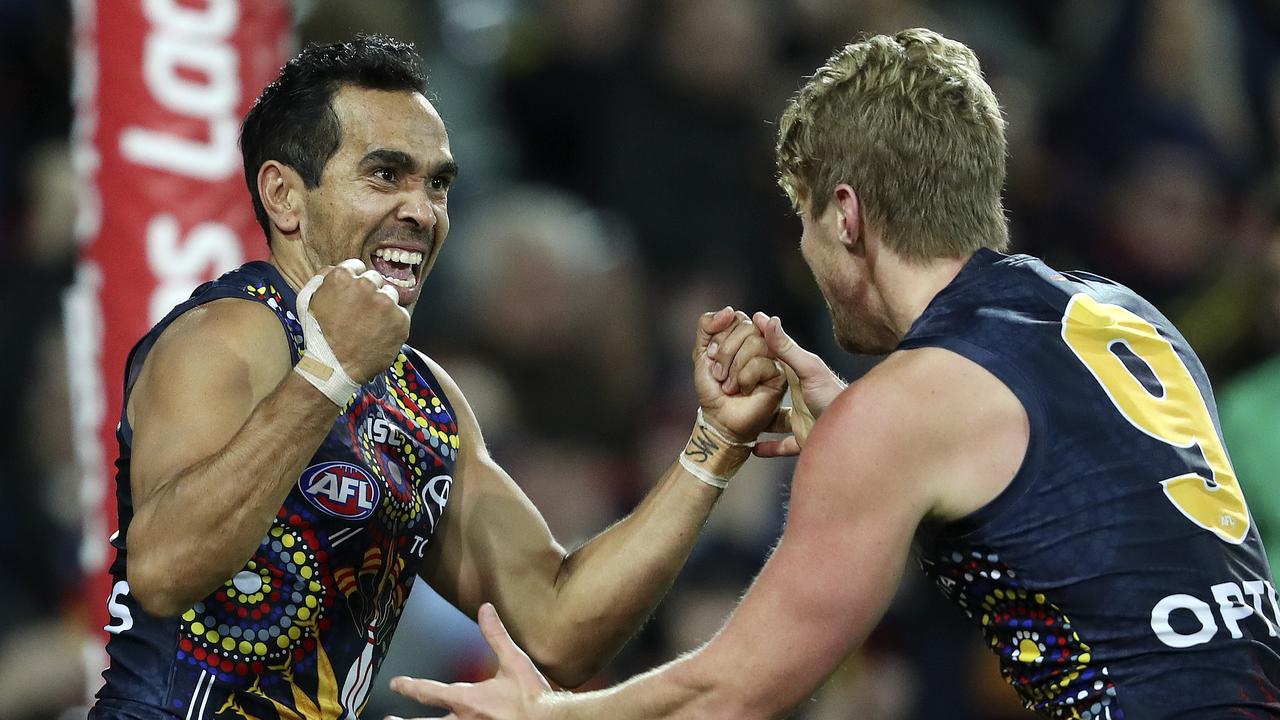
[160, 89]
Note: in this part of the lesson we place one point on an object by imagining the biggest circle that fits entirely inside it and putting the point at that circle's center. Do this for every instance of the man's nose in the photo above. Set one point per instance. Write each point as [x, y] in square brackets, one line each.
[417, 209]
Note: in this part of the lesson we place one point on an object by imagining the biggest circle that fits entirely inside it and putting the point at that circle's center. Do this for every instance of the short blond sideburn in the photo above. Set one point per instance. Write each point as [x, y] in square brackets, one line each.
[910, 124]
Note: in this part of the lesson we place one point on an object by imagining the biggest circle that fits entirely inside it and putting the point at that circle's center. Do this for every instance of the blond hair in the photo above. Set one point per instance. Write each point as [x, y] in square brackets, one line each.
[910, 124]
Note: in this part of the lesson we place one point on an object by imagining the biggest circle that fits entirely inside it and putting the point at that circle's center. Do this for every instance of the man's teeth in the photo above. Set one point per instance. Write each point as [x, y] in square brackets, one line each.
[401, 283]
[404, 257]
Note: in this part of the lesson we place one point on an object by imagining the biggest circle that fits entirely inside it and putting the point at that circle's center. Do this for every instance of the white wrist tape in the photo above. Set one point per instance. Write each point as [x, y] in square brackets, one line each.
[319, 365]
[702, 473]
[707, 445]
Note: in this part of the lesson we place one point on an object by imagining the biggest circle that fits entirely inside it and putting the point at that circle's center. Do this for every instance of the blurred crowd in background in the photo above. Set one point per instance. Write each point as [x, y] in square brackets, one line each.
[617, 180]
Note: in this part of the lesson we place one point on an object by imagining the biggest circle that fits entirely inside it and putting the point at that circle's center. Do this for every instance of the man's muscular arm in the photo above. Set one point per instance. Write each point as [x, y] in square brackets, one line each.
[221, 430]
[574, 610]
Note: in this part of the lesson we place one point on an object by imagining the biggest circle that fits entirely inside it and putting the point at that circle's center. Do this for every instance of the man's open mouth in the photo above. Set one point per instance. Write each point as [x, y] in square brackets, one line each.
[400, 267]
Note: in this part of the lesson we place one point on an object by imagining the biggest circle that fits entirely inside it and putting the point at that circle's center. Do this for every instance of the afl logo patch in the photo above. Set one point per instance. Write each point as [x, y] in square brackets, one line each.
[340, 489]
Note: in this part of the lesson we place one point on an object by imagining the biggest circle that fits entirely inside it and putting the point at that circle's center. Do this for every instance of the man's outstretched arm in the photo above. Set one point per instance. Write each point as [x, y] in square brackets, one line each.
[925, 433]
[574, 610]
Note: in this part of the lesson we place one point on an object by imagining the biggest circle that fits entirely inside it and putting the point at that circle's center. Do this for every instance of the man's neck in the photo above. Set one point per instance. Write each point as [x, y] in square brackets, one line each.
[908, 288]
[295, 270]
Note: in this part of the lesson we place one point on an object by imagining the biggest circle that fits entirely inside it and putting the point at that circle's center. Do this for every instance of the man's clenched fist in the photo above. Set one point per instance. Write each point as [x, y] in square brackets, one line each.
[360, 318]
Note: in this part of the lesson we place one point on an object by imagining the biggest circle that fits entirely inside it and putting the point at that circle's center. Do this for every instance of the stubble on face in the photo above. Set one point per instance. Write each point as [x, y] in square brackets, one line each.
[325, 247]
[857, 330]
[856, 309]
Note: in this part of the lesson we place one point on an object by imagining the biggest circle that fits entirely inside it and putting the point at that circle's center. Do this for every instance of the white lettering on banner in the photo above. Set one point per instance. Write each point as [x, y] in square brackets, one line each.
[184, 38]
[1229, 598]
[212, 160]
[219, 17]
[217, 96]
[209, 249]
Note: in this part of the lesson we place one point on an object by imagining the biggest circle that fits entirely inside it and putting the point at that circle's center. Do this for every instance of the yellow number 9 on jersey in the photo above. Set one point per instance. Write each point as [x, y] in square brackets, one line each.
[1179, 417]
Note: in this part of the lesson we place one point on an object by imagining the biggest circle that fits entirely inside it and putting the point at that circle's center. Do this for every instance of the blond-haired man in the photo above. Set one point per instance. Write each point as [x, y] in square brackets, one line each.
[1048, 441]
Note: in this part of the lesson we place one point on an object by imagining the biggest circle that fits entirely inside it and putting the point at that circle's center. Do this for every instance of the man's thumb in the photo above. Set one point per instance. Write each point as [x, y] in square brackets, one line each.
[783, 347]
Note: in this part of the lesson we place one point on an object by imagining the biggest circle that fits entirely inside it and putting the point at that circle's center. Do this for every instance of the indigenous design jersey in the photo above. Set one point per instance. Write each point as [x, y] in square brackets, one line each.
[300, 631]
[1119, 575]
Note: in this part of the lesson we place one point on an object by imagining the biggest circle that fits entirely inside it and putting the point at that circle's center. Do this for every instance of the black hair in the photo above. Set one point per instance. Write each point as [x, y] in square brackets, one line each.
[293, 122]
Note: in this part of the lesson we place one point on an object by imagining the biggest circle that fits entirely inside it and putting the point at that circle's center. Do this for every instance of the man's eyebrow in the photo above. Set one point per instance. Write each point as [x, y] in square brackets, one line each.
[394, 159]
[404, 162]
[447, 167]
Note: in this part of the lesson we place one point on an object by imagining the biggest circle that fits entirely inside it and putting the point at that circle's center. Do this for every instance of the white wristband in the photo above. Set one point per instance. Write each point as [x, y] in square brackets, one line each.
[319, 365]
[702, 473]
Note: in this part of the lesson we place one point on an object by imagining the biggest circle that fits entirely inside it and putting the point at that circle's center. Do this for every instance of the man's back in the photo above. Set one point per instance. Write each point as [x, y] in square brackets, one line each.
[1118, 575]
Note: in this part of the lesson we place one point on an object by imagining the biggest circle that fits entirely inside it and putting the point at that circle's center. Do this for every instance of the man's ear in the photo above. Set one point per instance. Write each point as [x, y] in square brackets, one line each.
[280, 188]
[849, 208]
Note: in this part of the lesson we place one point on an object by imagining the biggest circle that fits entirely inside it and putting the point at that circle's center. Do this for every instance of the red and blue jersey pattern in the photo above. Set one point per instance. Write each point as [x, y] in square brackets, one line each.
[300, 630]
[1119, 576]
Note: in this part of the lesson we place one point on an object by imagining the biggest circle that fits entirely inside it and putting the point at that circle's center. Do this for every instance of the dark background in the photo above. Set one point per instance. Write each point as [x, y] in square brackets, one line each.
[618, 180]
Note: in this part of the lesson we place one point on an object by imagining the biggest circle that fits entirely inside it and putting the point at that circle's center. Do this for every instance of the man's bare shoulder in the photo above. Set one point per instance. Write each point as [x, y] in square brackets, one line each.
[225, 329]
[239, 344]
[940, 421]
[226, 316]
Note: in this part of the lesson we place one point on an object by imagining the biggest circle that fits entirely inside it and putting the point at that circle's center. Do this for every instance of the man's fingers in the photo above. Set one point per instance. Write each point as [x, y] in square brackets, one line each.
[802, 419]
[772, 332]
[755, 371]
[786, 447]
[797, 399]
[427, 692]
[710, 324]
[355, 266]
[752, 349]
[727, 346]
[374, 277]
[510, 656]
[391, 292]
[784, 348]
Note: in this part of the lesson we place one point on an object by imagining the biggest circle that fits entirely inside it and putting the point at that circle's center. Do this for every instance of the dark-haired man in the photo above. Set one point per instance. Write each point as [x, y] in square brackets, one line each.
[1047, 440]
[288, 465]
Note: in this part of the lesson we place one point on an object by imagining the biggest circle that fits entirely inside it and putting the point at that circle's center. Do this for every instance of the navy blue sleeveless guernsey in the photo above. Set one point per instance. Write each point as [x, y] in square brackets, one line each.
[300, 630]
[1119, 575]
